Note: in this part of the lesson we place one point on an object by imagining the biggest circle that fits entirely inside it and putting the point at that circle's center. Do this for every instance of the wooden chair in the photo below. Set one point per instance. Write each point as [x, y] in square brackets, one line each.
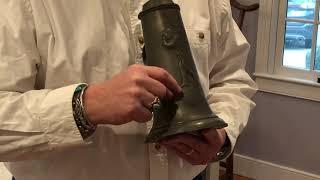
[243, 9]
[228, 164]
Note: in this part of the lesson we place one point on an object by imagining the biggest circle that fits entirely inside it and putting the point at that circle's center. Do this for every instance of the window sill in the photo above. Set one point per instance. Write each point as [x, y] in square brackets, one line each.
[288, 86]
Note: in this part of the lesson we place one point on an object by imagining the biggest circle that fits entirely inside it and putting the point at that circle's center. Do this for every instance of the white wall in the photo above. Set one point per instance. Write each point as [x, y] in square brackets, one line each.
[282, 130]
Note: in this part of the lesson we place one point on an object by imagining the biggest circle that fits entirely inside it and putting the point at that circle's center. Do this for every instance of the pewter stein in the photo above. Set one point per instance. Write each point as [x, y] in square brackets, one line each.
[167, 46]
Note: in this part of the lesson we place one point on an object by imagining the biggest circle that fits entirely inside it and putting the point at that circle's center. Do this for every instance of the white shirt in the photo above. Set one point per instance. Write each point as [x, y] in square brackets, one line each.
[48, 47]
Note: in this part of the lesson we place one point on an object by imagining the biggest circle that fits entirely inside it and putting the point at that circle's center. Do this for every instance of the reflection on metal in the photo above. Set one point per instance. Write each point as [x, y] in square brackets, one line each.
[166, 46]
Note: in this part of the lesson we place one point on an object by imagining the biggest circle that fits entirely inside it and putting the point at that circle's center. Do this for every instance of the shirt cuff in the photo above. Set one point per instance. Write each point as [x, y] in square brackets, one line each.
[57, 117]
[232, 132]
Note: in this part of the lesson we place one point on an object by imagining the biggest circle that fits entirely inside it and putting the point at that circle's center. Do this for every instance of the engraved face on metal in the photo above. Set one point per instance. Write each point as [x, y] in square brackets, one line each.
[169, 38]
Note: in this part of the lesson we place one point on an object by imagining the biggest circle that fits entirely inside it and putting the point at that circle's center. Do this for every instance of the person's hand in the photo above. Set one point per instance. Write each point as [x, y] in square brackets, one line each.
[197, 150]
[128, 96]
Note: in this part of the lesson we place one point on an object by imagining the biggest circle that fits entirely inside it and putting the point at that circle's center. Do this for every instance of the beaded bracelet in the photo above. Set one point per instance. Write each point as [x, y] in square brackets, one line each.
[85, 127]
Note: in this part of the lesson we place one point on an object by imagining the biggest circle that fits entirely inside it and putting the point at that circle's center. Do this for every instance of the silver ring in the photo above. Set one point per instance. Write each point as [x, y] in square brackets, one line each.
[156, 101]
[219, 154]
[190, 152]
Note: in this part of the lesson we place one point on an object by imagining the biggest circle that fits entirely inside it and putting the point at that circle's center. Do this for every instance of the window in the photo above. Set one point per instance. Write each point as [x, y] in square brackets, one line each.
[300, 25]
[288, 48]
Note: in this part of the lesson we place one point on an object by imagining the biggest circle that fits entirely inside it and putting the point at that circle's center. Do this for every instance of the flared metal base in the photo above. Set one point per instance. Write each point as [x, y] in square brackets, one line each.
[192, 127]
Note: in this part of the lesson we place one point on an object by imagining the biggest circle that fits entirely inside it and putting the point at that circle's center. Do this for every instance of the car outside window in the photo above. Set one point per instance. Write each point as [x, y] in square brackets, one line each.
[299, 32]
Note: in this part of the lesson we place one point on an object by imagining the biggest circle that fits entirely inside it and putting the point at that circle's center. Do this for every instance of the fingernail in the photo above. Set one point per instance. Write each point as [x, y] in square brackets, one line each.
[169, 96]
[179, 96]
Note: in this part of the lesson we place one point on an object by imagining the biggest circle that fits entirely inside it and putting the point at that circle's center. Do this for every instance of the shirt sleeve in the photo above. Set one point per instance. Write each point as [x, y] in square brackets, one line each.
[32, 122]
[230, 86]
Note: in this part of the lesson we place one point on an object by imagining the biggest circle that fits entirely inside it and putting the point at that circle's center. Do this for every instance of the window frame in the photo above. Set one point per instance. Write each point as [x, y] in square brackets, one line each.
[270, 75]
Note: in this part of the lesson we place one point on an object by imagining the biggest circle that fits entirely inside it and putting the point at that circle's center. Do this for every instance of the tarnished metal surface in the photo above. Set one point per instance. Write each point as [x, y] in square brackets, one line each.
[166, 46]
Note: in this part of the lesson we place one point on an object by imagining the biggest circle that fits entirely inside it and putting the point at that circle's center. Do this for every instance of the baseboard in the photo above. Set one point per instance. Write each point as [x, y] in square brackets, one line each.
[262, 170]
[4, 173]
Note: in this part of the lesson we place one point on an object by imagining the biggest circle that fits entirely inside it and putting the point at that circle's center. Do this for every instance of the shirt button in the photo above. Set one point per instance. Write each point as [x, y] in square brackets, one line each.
[157, 147]
[141, 40]
[201, 35]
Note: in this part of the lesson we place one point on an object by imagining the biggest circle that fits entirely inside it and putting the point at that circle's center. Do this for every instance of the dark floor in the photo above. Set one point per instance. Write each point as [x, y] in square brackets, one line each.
[235, 177]
[223, 177]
